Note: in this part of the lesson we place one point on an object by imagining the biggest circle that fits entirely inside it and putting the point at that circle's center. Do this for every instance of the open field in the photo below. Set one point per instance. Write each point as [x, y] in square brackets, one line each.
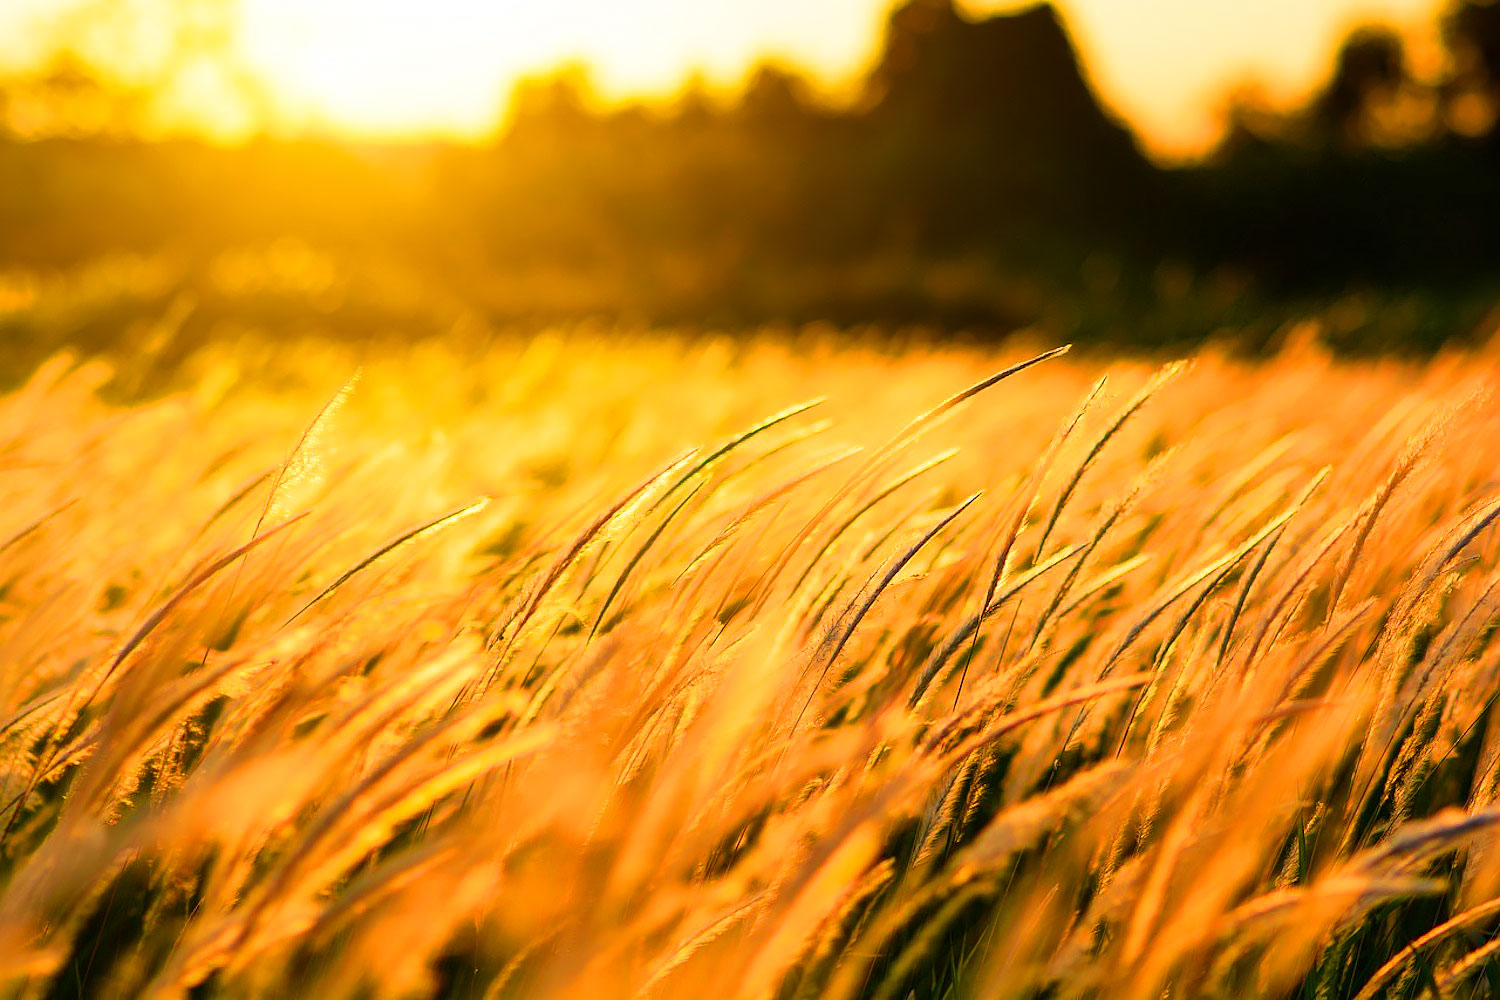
[598, 668]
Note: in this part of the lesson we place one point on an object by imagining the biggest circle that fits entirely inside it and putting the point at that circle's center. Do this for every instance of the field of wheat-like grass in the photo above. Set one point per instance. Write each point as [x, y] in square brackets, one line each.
[589, 668]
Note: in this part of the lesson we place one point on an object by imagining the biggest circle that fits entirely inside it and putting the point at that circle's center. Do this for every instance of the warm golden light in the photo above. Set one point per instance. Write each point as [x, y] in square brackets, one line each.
[1167, 65]
[840, 499]
[402, 66]
[395, 68]
[445, 66]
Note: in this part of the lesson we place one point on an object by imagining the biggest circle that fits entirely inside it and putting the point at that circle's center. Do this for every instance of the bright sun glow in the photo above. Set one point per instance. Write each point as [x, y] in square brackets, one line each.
[390, 68]
[445, 66]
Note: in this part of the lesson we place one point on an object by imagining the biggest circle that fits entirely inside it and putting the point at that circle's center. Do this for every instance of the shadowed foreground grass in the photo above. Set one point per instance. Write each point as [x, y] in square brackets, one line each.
[597, 669]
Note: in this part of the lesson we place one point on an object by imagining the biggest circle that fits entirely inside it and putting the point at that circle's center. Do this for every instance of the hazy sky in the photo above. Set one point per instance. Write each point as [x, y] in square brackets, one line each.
[386, 67]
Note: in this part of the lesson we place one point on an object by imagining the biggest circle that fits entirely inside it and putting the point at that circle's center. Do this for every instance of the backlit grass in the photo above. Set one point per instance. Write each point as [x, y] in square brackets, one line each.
[586, 667]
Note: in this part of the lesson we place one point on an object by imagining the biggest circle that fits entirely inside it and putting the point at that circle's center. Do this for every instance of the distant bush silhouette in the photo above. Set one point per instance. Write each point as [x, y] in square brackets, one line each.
[976, 179]
[1371, 65]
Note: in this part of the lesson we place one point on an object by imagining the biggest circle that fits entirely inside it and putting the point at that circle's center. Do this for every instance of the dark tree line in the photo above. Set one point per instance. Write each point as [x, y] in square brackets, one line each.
[971, 139]
[1381, 178]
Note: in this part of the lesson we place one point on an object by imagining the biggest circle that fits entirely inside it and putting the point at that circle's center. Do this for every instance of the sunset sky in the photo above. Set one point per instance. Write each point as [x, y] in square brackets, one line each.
[422, 67]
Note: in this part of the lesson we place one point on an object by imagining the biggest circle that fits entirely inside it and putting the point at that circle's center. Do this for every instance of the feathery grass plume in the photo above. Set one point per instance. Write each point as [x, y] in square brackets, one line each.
[349, 830]
[1416, 450]
[303, 465]
[1282, 928]
[841, 930]
[930, 908]
[1104, 581]
[1275, 616]
[1107, 521]
[128, 739]
[1375, 876]
[1316, 650]
[622, 509]
[909, 434]
[940, 818]
[1215, 727]
[980, 723]
[1419, 700]
[1456, 973]
[864, 508]
[1416, 842]
[1185, 585]
[640, 553]
[1402, 620]
[724, 449]
[1059, 439]
[706, 464]
[1189, 891]
[1242, 595]
[932, 670]
[920, 424]
[1031, 491]
[31, 710]
[1375, 984]
[870, 595]
[405, 538]
[683, 952]
[1448, 548]
[1154, 385]
[830, 884]
[198, 579]
[1241, 482]
[79, 700]
[740, 518]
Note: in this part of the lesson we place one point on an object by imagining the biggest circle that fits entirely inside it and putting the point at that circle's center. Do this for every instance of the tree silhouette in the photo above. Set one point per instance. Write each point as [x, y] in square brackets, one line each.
[1471, 31]
[775, 97]
[1370, 66]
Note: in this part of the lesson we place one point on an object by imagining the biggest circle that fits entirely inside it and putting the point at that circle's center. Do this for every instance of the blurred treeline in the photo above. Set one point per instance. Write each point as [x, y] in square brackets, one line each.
[974, 182]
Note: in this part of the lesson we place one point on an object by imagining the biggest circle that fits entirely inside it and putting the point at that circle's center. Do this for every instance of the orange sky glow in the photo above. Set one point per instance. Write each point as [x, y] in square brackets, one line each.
[399, 68]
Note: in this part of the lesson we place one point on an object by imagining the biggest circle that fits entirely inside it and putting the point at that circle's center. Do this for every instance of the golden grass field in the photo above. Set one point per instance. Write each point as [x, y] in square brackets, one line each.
[1105, 680]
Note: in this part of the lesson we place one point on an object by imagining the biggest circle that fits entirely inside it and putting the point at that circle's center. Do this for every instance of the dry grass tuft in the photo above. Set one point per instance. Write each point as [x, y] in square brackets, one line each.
[1179, 684]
